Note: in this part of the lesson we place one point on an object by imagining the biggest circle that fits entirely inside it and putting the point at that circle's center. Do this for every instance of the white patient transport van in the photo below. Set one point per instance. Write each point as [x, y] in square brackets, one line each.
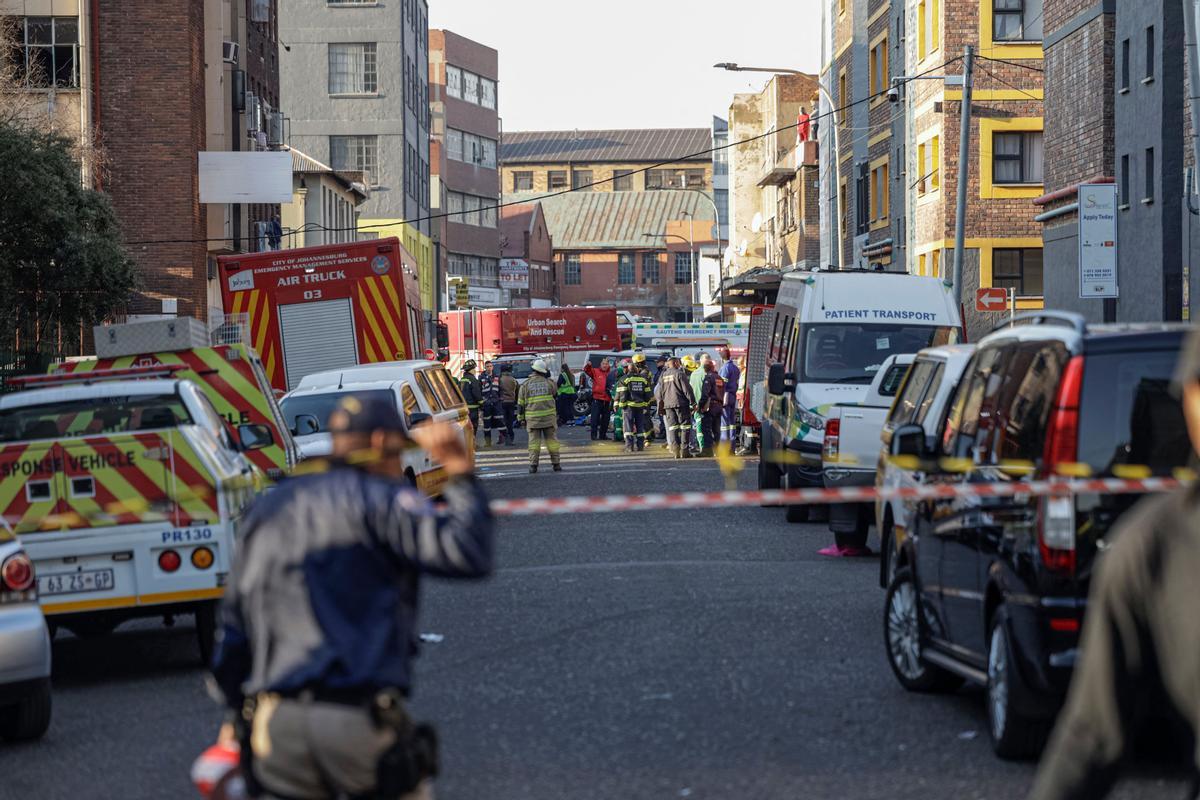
[832, 333]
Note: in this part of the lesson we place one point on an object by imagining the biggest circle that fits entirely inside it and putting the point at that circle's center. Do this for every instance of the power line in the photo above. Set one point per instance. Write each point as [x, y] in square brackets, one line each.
[1010, 63]
[583, 187]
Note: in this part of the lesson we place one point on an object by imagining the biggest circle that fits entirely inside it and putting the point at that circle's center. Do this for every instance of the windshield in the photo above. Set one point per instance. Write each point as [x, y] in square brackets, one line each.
[520, 369]
[92, 417]
[854, 353]
[308, 414]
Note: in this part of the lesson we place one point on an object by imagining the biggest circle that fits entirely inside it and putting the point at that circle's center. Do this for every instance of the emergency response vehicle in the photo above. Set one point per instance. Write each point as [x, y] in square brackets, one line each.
[320, 308]
[485, 334]
[125, 488]
[735, 334]
[752, 392]
[831, 333]
[231, 375]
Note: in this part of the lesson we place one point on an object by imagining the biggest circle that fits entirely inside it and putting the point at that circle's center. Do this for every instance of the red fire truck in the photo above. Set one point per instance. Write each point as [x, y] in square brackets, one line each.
[485, 334]
[320, 308]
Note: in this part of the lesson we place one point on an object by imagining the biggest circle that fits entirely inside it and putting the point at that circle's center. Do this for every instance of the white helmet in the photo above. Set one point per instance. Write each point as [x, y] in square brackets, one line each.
[540, 367]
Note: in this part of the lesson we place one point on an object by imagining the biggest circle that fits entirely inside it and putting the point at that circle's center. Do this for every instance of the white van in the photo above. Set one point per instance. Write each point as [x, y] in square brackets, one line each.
[831, 335]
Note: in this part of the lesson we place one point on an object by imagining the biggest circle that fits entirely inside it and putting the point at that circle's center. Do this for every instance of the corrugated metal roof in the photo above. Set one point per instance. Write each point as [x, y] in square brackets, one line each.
[650, 145]
[616, 220]
[307, 165]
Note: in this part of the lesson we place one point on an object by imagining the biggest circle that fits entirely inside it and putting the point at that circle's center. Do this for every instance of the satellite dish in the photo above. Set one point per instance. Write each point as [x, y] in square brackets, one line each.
[743, 247]
[756, 223]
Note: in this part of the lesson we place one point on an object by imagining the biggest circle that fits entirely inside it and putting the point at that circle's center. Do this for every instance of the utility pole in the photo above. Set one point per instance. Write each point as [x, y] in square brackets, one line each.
[964, 172]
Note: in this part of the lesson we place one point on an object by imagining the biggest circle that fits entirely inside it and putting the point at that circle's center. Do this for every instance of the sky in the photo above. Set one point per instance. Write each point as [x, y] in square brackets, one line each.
[567, 64]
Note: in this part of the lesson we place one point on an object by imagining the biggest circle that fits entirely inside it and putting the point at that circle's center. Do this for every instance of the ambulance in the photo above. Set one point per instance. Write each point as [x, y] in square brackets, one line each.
[315, 309]
[125, 486]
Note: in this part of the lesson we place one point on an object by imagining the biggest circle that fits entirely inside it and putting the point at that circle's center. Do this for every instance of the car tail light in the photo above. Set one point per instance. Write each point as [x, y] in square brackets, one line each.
[169, 561]
[16, 574]
[202, 558]
[1064, 624]
[1056, 534]
[833, 439]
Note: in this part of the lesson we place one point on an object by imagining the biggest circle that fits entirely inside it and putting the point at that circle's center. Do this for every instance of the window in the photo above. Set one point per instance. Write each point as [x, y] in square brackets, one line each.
[904, 410]
[1017, 157]
[1017, 20]
[48, 51]
[1148, 197]
[622, 180]
[1149, 55]
[879, 193]
[862, 198]
[879, 69]
[694, 179]
[487, 93]
[487, 213]
[928, 27]
[1019, 270]
[470, 91]
[853, 353]
[683, 268]
[841, 6]
[929, 162]
[650, 268]
[522, 181]
[556, 179]
[489, 153]
[352, 69]
[625, 274]
[355, 154]
[581, 179]
[935, 264]
[1124, 188]
[454, 144]
[454, 81]
[1125, 65]
[843, 95]
[573, 274]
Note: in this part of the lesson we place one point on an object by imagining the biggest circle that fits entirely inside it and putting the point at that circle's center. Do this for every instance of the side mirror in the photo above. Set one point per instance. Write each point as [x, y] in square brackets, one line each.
[255, 437]
[418, 418]
[909, 440]
[306, 425]
[443, 336]
[776, 379]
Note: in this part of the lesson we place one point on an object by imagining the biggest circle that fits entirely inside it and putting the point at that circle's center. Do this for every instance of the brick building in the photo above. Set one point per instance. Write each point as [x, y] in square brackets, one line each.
[526, 256]
[463, 158]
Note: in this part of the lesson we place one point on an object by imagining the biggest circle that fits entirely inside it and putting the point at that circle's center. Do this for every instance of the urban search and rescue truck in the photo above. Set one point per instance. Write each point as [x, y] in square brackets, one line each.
[831, 334]
[321, 308]
[485, 334]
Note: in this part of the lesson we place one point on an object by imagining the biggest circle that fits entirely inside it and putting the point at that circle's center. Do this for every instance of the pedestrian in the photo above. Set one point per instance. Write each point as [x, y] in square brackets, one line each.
[673, 394]
[492, 412]
[472, 392]
[731, 376]
[1140, 639]
[634, 394]
[319, 621]
[566, 396]
[535, 407]
[601, 399]
[508, 402]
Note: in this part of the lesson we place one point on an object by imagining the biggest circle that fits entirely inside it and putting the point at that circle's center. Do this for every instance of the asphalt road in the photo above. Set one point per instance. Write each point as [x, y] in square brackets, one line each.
[694, 653]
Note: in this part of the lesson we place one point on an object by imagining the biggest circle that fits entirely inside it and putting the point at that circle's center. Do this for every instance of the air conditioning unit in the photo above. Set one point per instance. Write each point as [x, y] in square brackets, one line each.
[229, 52]
[275, 129]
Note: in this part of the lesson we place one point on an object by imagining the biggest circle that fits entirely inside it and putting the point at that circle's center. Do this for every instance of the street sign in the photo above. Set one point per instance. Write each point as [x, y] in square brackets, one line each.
[991, 298]
[1098, 240]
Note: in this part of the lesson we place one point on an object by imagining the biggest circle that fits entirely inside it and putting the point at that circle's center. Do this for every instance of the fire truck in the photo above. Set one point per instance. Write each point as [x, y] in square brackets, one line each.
[486, 334]
[321, 308]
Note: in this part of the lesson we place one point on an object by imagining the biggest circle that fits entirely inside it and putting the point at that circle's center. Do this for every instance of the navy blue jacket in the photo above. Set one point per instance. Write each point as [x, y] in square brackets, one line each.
[323, 592]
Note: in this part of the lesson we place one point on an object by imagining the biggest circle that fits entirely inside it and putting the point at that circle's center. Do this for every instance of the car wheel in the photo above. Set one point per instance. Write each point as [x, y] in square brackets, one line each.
[30, 718]
[902, 626]
[206, 631]
[888, 556]
[1014, 735]
[582, 406]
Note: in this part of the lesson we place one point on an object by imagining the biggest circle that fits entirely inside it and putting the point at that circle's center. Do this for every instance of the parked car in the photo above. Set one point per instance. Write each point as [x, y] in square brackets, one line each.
[24, 648]
[993, 590]
[850, 454]
[922, 401]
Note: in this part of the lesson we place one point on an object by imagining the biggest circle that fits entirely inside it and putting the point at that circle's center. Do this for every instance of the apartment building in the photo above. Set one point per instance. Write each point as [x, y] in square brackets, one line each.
[464, 152]
[526, 256]
[324, 207]
[355, 81]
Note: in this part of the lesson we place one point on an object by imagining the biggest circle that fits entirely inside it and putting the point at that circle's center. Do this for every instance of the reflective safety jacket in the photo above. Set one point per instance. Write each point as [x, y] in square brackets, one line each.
[565, 386]
[673, 389]
[489, 386]
[535, 403]
[633, 390]
[472, 390]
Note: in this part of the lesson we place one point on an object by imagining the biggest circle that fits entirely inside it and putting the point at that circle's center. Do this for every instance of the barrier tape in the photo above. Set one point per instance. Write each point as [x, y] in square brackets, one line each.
[816, 496]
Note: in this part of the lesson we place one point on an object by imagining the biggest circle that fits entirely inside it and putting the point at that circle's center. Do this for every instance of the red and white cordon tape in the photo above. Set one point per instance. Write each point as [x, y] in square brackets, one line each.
[851, 494]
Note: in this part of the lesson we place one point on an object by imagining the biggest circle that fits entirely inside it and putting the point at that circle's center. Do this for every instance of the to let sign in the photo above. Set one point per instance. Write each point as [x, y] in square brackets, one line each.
[1097, 240]
[991, 299]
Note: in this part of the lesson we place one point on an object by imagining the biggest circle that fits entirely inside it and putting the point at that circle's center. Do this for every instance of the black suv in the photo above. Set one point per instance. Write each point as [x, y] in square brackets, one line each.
[993, 590]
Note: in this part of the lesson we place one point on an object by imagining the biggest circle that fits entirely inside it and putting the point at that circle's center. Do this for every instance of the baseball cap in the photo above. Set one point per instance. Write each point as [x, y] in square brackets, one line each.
[1187, 369]
[361, 413]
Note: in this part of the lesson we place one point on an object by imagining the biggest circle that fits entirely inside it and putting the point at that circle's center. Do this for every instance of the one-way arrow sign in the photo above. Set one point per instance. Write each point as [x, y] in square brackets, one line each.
[992, 298]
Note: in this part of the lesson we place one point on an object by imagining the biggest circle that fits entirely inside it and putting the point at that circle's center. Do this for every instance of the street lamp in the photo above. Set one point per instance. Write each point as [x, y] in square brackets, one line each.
[691, 250]
[729, 66]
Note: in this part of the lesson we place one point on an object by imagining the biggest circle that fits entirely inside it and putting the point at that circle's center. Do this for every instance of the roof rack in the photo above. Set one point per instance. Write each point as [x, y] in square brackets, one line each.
[1065, 319]
[97, 376]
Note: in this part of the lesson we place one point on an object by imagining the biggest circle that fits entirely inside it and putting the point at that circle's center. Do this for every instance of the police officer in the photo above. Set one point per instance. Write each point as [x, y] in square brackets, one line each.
[673, 392]
[472, 391]
[319, 620]
[634, 394]
[536, 409]
[1140, 638]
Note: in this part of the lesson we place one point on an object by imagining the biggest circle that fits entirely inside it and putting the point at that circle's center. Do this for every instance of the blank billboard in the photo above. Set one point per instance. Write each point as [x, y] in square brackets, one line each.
[249, 177]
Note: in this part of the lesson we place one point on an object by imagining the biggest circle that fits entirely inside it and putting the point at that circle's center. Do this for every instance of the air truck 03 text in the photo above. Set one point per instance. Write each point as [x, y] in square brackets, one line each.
[323, 308]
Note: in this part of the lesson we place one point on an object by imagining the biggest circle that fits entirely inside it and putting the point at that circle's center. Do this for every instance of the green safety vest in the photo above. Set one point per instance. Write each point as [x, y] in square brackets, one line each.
[535, 403]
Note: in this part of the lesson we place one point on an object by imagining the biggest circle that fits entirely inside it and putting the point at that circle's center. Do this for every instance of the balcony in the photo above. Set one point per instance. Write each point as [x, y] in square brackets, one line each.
[780, 169]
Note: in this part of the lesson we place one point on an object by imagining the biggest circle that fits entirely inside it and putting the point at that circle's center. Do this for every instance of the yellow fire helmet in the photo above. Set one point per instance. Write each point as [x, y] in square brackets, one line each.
[639, 358]
[689, 362]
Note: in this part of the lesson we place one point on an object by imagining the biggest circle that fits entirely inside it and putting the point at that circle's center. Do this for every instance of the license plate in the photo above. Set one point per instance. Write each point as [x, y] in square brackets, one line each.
[98, 580]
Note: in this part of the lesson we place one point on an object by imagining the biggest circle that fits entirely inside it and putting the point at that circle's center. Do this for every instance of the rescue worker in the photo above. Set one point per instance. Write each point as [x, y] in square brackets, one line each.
[508, 401]
[689, 367]
[535, 408]
[319, 622]
[1140, 639]
[618, 414]
[634, 393]
[472, 392]
[566, 396]
[660, 364]
[673, 393]
[492, 412]
[732, 376]
[601, 399]
[696, 379]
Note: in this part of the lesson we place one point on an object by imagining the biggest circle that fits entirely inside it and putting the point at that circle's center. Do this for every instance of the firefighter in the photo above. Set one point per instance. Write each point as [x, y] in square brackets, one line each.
[691, 443]
[661, 430]
[731, 376]
[633, 395]
[535, 408]
[472, 392]
[618, 418]
[492, 412]
[673, 393]
[315, 673]
[709, 404]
